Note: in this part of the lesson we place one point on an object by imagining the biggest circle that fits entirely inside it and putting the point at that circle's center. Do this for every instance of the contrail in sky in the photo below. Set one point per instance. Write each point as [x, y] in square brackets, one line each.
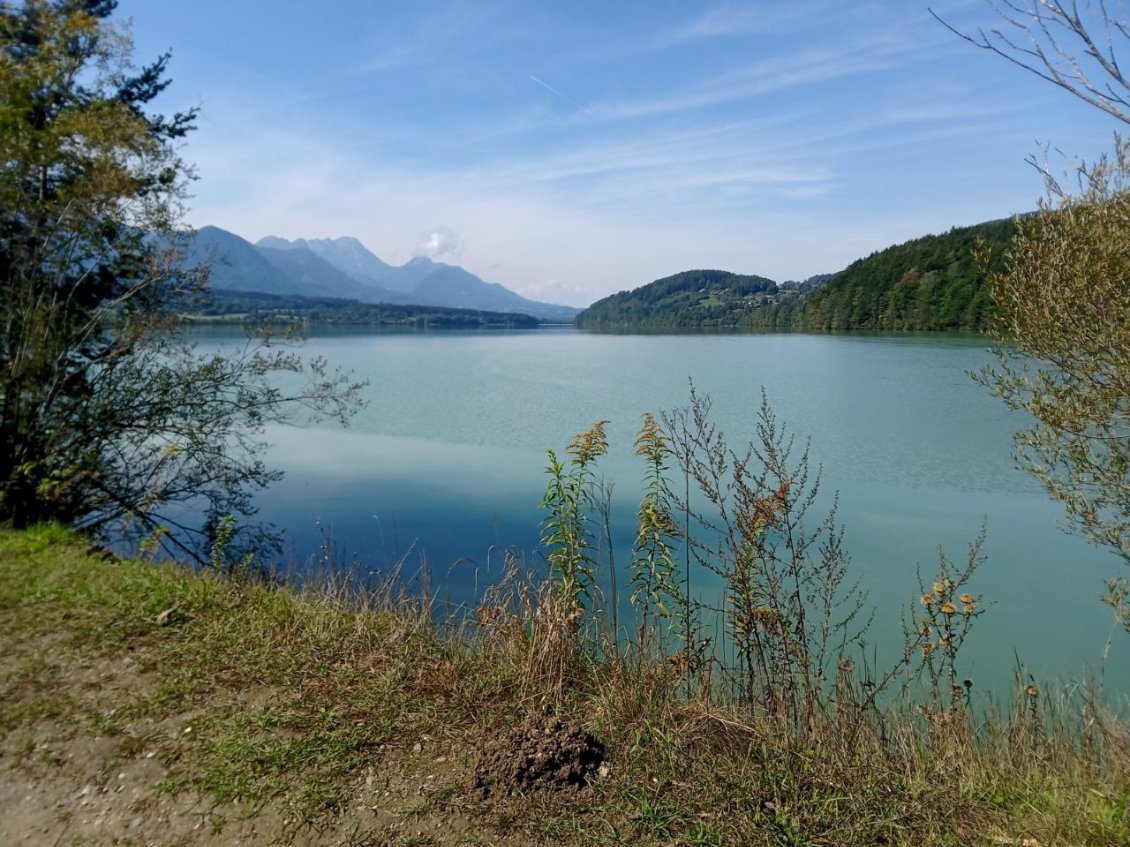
[553, 90]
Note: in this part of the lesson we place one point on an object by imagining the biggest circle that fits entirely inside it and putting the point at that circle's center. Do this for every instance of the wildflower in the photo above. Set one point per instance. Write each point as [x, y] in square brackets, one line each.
[927, 599]
[927, 649]
[967, 608]
[966, 598]
[939, 587]
[925, 631]
[949, 609]
[1032, 691]
[767, 618]
[589, 445]
[944, 641]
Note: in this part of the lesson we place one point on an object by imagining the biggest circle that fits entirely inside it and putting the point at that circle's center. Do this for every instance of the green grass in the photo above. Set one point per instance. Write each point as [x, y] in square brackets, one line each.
[266, 696]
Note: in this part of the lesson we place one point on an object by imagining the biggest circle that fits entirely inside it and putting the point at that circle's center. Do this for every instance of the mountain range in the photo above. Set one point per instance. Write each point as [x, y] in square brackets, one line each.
[345, 268]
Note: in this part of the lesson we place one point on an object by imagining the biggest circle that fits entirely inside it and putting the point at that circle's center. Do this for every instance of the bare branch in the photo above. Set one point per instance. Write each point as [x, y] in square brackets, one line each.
[1076, 51]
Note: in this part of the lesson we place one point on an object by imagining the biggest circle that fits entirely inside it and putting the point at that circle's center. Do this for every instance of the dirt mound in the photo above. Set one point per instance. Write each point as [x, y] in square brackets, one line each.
[544, 752]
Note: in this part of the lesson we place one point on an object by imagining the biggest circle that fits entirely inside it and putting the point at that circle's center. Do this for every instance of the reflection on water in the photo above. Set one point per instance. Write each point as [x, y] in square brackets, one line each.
[447, 463]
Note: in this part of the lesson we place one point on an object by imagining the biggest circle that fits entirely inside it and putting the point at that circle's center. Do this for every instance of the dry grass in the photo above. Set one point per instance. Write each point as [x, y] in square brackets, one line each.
[292, 699]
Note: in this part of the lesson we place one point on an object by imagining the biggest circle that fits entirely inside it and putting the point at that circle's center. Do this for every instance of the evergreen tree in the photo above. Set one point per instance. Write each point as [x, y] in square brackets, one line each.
[107, 420]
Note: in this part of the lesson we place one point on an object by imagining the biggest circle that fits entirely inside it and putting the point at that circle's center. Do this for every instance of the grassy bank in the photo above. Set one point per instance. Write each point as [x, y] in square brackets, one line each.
[254, 711]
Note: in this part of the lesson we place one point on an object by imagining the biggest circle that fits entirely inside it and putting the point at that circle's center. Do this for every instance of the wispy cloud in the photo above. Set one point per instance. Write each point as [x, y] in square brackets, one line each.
[572, 150]
[731, 21]
[769, 76]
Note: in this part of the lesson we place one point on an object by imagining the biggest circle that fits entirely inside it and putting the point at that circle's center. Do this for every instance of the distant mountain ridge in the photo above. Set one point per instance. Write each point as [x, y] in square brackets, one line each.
[345, 268]
[347, 254]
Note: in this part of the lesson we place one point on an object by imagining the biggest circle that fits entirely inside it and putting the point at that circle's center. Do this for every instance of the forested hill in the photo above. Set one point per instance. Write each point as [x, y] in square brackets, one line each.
[688, 300]
[256, 308]
[930, 283]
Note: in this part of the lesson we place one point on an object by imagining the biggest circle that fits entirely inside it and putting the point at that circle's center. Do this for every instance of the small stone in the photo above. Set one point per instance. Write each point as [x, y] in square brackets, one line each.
[417, 748]
[441, 759]
[136, 822]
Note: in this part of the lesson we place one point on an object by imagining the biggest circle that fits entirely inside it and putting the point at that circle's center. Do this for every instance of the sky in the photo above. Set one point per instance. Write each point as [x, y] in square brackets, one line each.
[571, 150]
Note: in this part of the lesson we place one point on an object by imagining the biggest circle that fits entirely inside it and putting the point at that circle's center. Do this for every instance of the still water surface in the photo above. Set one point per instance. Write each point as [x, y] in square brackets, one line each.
[448, 462]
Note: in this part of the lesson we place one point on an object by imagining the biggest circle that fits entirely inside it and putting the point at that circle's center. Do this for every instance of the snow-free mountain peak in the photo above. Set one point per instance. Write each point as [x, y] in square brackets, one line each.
[344, 267]
[347, 254]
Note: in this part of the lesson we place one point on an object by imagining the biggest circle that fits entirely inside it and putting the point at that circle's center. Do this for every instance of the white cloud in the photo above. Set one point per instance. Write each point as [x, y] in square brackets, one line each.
[441, 241]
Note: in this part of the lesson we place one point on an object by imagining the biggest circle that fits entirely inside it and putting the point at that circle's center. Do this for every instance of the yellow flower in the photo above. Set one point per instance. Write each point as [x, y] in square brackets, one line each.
[927, 599]
[927, 649]
[966, 598]
[949, 609]
[939, 587]
[1032, 691]
[967, 608]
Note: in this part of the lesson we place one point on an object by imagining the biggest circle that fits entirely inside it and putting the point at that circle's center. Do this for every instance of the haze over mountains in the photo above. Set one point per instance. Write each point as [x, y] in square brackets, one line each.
[344, 267]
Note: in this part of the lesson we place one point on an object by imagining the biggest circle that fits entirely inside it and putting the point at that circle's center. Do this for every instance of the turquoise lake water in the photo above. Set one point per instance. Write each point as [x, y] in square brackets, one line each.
[447, 462]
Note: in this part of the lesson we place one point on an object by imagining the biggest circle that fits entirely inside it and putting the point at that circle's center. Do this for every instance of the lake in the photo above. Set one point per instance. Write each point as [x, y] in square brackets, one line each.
[447, 462]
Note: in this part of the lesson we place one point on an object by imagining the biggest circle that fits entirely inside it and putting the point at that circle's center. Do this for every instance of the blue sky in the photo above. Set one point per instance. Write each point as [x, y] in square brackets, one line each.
[569, 150]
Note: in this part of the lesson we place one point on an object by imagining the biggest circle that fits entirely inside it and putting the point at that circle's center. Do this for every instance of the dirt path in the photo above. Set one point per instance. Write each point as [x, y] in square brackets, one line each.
[72, 773]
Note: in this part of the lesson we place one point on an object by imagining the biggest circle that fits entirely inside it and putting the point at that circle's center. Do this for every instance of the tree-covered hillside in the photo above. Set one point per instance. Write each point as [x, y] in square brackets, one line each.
[252, 307]
[688, 300]
[930, 283]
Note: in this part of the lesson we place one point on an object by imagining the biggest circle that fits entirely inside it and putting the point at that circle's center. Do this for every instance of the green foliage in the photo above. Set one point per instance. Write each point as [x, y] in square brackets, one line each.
[571, 498]
[1063, 342]
[107, 420]
[928, 284]
[256, 308]
[688, 300]
[294, 701]
[789, 616]
[656, 592]
[789, 608]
